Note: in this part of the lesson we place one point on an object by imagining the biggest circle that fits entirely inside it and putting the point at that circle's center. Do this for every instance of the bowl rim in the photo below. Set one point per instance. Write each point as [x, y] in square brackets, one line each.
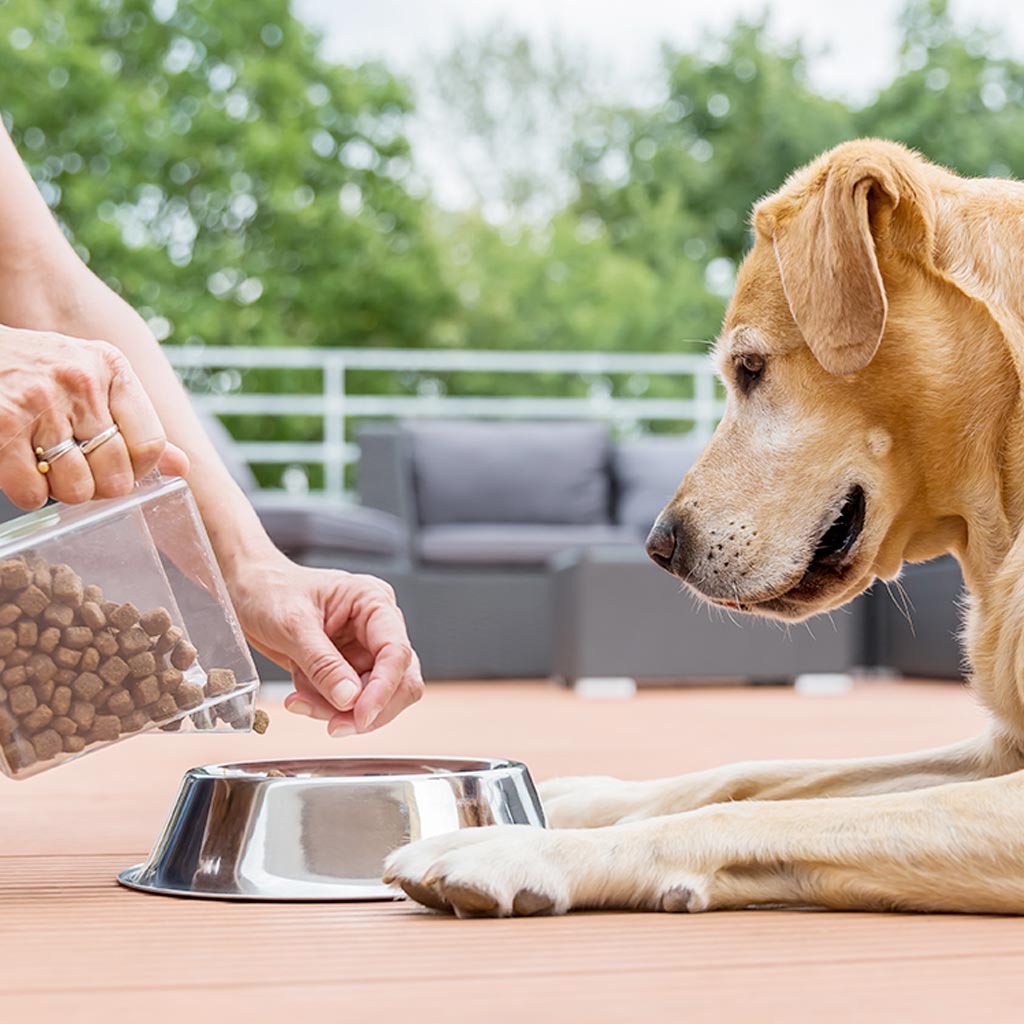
[447, 766]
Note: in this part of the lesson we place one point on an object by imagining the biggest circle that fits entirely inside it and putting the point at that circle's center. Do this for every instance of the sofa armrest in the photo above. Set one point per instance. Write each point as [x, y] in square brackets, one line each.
[317, 525]
[385, 478]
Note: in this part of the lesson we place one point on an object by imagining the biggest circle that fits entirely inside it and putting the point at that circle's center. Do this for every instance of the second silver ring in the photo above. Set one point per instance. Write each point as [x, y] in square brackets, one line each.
[92, 443]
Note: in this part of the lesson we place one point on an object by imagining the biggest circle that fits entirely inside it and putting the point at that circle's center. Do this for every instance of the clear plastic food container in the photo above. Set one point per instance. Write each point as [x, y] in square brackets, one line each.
[114, 621]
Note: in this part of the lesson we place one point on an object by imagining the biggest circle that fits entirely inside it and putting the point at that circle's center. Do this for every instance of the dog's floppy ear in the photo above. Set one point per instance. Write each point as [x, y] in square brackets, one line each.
[826, 251]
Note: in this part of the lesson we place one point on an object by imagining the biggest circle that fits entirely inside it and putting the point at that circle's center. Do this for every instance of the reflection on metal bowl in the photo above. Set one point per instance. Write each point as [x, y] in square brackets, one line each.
[320, 829]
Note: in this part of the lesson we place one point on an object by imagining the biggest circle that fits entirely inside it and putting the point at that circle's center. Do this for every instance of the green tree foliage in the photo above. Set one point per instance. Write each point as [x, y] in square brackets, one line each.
[663, 191]
[958, 98]
[231, 184]
[731, 127]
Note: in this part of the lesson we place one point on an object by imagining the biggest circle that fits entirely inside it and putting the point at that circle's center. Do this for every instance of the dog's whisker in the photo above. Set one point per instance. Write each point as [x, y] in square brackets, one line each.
[904, 605]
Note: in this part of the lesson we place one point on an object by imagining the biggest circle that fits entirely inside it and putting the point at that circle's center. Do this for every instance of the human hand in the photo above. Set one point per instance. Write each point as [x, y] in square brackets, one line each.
[341, 636]
[52, 388]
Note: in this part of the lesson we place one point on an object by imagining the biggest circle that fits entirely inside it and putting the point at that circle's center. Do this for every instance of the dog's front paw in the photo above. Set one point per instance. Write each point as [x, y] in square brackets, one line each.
[591, 801]
[498, 871]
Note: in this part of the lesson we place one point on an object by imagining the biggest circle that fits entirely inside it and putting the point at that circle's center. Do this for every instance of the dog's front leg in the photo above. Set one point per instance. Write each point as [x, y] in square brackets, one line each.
[952, 848]
[590, 802]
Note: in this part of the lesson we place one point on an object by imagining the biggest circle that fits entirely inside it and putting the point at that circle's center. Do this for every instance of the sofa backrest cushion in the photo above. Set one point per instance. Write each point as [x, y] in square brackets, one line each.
[499, 472]
[647, 473]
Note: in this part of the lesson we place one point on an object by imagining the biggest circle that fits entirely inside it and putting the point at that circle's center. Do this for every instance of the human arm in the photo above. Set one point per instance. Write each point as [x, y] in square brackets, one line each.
[341, 635]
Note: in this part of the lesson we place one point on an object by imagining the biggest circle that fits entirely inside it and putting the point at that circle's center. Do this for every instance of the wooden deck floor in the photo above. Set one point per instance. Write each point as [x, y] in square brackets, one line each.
[75, 947]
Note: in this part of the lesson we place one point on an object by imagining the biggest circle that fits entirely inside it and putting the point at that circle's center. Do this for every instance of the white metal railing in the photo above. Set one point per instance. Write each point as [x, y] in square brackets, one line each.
[216, 377]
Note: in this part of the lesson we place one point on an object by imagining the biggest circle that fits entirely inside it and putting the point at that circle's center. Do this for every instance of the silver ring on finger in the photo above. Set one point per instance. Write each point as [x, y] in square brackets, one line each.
[92, 443]
[46, 457]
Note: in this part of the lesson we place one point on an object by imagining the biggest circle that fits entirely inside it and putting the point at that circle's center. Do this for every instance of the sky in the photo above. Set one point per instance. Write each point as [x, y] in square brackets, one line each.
[852, 47]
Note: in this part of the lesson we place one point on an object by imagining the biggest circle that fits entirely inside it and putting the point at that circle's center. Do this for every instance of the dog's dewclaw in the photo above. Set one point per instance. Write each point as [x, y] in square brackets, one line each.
[260, 721]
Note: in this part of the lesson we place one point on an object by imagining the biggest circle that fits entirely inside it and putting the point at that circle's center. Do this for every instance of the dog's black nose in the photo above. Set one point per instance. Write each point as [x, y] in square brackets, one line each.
[662, 542]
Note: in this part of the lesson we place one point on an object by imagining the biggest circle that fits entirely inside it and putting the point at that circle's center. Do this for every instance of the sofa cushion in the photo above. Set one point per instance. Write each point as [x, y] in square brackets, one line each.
[491, 544]
[488, 472]
[647, 473]
[317, 525]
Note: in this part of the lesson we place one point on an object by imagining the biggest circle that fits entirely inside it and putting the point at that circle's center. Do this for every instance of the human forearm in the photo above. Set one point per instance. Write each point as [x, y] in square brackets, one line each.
[91, 310]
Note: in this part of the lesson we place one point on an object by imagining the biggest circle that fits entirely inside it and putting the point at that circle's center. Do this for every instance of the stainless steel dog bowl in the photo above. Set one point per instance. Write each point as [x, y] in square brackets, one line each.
[320, 829]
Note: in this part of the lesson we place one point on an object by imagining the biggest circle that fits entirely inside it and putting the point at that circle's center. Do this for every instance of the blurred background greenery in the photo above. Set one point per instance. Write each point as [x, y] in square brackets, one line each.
[238, 188]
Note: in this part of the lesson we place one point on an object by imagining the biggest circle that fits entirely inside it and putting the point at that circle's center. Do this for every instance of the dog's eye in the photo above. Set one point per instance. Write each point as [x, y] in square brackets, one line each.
[749, 369]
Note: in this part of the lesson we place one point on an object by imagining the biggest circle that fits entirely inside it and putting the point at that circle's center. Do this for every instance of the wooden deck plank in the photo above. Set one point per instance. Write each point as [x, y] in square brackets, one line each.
[77, 947]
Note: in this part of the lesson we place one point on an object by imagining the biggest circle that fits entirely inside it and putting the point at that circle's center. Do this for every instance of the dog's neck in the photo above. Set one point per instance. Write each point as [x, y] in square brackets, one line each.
[979, 248]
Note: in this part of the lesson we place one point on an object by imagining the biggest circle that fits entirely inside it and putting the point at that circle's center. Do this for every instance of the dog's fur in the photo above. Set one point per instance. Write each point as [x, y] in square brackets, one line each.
[885, 295]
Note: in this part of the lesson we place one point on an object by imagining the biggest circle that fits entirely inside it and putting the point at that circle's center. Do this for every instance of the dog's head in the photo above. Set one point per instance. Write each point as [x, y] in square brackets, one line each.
[807, 490]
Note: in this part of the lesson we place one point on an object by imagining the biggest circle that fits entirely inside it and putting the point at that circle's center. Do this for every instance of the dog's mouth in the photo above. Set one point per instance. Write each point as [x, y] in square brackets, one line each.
[838, 540]
[829, 562]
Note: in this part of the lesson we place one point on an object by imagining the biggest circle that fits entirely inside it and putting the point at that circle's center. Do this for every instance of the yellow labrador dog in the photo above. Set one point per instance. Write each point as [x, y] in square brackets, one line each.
[873, 354]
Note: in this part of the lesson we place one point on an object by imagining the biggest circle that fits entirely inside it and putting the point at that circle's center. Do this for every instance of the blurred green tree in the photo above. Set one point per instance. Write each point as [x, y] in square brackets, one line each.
[658, 194]
[737, 116]
[958, 96]
[231, 184]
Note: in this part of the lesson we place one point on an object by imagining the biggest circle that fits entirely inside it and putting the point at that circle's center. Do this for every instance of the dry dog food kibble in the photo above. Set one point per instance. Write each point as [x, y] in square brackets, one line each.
[183, 655]
[78, 669]
[260, 721]
[157, 622]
